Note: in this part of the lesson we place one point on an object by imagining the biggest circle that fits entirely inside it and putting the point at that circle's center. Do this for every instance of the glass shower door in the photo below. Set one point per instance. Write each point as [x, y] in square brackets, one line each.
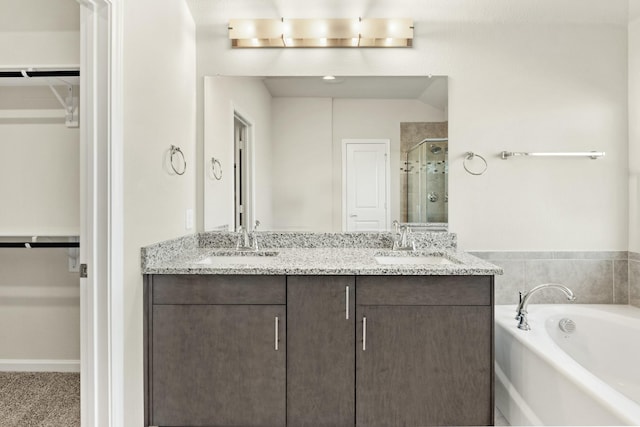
[427, 180]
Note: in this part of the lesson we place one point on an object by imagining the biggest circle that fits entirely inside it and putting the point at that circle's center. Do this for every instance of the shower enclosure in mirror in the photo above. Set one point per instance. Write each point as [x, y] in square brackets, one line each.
[427, 176]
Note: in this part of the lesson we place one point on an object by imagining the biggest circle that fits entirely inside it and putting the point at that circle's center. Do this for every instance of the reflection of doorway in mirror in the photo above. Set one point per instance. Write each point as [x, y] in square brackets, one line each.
[243, 171]
[365, 185]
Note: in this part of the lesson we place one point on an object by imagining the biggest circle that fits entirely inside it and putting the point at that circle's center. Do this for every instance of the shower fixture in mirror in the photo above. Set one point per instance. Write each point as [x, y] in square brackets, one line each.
[427, 172]
[350, 154]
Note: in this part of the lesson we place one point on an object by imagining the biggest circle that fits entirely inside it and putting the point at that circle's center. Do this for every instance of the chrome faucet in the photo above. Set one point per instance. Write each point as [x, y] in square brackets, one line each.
[245, 239]
[396, 235]
[405, 241]
[521, 317]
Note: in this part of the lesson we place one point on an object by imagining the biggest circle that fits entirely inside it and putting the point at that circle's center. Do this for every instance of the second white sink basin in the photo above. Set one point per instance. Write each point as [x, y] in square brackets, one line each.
[413, 260]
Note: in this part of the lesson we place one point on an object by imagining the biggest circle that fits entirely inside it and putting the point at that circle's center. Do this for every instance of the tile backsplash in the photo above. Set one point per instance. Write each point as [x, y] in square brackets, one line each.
[595, 277]
[634, 278]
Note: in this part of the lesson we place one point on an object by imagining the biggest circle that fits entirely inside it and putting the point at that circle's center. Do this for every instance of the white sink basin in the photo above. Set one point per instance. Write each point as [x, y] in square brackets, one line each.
[413, 260]
[245, 258]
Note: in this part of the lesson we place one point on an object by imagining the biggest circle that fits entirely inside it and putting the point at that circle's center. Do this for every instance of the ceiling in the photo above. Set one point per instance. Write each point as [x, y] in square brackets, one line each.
[350, 86]
[430, 90]
[63, 15]
[616, 12]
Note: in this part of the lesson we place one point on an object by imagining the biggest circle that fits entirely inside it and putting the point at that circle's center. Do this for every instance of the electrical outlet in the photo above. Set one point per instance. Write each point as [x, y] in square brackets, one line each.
[188, 219]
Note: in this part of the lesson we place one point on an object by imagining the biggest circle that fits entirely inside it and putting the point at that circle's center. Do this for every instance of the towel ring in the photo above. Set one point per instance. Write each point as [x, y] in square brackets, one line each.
[175, 150]
[216, 168]
[470, 156]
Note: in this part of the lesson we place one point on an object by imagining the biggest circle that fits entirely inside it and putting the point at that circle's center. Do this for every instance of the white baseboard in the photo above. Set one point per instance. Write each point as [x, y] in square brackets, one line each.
[39, 365]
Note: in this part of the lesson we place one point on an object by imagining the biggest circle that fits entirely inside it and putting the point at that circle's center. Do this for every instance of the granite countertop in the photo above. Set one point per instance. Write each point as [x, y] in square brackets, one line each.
[311, 254]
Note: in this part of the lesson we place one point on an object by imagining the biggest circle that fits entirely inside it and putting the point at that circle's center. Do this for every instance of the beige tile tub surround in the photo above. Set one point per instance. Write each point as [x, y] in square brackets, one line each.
[634, 278]
[595, 277]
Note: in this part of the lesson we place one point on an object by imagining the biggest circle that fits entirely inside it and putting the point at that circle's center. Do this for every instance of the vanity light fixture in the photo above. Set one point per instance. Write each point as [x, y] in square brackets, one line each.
[247, 33]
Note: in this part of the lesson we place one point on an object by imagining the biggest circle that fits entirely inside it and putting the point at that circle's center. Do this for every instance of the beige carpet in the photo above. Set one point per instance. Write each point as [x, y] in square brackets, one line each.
[39, 399]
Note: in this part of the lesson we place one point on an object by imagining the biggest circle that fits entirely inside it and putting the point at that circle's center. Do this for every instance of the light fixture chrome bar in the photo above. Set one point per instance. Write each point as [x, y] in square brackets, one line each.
[591, 154]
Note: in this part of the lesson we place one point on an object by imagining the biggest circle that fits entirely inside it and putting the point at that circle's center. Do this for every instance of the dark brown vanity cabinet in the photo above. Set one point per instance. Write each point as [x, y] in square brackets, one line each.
[369, 351]
[320, 351]
[425, 351]
[216, 351]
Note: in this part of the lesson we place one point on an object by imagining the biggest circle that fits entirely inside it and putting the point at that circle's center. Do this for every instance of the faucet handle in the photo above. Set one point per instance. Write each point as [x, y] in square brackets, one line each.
[396, 226]
[255, 236]
[519, 307]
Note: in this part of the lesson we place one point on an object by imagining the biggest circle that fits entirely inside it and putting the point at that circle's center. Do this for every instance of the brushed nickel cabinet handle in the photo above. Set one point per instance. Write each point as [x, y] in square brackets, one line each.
[364, 333]
[346, 308]
[277, 338]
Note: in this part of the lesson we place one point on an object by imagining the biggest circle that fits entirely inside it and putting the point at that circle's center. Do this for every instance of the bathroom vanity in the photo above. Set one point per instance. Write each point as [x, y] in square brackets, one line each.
[317, 336]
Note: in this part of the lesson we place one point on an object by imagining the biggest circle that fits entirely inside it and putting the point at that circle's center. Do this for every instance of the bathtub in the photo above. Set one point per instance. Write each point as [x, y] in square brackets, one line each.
[589, 377]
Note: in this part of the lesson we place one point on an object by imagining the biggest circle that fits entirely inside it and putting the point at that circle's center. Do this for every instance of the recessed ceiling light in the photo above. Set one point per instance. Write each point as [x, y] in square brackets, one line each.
[329, 78]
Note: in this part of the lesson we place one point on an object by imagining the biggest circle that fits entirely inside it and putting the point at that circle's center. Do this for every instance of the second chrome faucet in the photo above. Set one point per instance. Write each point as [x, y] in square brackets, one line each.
[247, 241]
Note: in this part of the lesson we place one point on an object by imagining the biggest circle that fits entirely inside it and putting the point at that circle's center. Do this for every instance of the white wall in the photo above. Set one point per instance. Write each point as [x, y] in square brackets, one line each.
[251, 100]
[376, 119]
[159, 110]
[39, 195]
[519, 87]
[39, 305]
[634, 131]
[40, 172]
[302, 169]
[40, 48]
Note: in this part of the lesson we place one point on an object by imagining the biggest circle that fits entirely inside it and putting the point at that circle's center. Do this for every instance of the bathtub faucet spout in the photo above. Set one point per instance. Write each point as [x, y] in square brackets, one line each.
[521, 317]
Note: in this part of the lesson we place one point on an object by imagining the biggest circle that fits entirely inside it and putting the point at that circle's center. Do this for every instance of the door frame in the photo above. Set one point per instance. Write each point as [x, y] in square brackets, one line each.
[387, 145]
[101, 214]
[238, 113]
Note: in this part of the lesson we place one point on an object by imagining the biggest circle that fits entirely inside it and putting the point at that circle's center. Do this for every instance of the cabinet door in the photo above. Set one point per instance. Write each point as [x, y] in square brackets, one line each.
[218, 365]
[424, 365]
[320, 351]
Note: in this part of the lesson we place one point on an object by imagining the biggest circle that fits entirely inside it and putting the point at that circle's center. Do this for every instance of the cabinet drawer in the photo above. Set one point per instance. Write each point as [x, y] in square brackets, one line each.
[218, 289]
[424, 290]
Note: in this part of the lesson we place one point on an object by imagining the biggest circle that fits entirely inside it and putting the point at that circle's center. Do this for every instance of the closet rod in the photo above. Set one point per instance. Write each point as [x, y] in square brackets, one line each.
[39, 244]
[43, 73]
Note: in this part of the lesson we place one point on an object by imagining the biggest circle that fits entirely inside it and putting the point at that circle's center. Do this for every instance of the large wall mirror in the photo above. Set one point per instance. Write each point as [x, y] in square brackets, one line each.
[325, 155]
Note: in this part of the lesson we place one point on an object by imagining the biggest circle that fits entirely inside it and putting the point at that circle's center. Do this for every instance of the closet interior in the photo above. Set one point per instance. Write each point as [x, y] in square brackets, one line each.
[40, 221]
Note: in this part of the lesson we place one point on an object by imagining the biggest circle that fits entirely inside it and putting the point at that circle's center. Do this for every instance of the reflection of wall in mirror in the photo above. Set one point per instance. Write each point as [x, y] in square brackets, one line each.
[249, 97]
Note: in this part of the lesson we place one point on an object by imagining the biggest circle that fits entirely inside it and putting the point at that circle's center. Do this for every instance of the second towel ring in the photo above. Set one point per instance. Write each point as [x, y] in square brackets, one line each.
[470, 156]
[216, 168]
[175, 150]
